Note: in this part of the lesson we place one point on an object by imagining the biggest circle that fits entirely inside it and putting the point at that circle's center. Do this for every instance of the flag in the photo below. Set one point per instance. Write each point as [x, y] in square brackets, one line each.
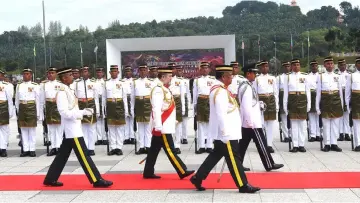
[34, 50]
[81, 51]
[242, 45]
[96, 48]
[291, 42]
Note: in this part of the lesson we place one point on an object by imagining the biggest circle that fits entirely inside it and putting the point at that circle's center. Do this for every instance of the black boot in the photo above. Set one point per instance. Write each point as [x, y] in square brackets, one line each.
[248, 189]
[52, 152]
[326, 148]
[312, 139]
[341, 137]
[270, 149]
[347, 137]
[197, 183]
[102, 183]
[335, 148]
[294, 149]
[302, 149]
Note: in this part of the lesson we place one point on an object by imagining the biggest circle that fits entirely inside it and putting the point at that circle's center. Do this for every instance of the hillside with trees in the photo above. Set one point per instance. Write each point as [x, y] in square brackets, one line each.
[273, 24]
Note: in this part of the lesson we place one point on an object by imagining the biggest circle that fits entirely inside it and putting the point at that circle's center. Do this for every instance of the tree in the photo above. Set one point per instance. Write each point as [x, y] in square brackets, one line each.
[36, 31]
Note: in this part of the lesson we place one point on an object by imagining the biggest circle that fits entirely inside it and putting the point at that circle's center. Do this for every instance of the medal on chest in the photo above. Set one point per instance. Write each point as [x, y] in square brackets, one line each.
[147, 85]
[209, 83]
[301, 80]
[90, 87]
[118, 86]
[2, 89]
[30, 89]
[270, 81]
[336, 79]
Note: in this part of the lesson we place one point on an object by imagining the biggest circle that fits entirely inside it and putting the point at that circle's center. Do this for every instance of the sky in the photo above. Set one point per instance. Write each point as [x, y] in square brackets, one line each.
[92, 13]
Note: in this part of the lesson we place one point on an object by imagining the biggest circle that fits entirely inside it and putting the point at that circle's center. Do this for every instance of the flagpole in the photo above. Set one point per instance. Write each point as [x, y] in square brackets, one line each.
[275, 56]
[291, 45]
[243, 54]
[43, 5]
[34, 61]
[302, 49]
[308, 52]
[81, 55]
[259, 47]
[50, 56]
[65, 57]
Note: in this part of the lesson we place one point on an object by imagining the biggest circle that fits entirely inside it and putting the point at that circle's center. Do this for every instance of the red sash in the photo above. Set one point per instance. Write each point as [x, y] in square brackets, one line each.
[165, 115]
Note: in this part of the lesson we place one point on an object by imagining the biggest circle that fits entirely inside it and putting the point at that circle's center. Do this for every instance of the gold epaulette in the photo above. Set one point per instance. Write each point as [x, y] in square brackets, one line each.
[212, 77]
[93, 80]
[34, 83]
[5, 83]
[44, 81]
[122, 80]
[304, 73]
[77, 80]
[62, 88]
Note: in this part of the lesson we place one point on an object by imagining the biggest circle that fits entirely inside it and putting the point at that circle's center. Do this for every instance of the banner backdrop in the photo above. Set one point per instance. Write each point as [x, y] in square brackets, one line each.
[188, 59]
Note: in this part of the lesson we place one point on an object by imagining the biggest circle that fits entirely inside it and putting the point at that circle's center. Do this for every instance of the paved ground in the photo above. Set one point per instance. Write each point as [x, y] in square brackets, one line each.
[313, 160]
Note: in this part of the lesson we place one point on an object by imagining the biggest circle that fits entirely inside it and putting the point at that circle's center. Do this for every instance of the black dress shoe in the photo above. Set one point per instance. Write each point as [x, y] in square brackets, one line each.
[318, 139]
[177, 151]
[248, 189]
[277, 166]
[312, 139]
[335, 148]
[302, 149]
[197, 183]
[201, 150]
[286, 139]
[153, 176]
[3, 153]
[246, 169]
[105, 142]
[19, 144]
[53, 183]
[99, 142]
[147, 149]
[347, 137]
[24, 154]
[132, 141]
[32, 154]
[112, 152]
[185, 141]
[186, 174]
[140, 151]
[102, 183]
[341, 137]
[209, 150]
[357, 149]
[119, 152]
[91, 153]
[294, 149]
[52, 152]
[127, 141]
[326, 148]
[270, 149]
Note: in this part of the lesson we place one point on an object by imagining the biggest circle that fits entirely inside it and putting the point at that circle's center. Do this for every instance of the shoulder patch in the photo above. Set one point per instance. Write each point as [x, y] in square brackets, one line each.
[304, 73]
[62, 88]
[151, 79]
[34, 83]
[337, 73]
[212, 77]
[5, 82]
[92, 80]
[44, 81]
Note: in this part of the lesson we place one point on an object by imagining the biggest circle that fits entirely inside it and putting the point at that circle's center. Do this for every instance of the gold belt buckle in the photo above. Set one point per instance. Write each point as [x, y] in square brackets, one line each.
[113, 100]
[25, 102]
[141, 97]
[331, 92]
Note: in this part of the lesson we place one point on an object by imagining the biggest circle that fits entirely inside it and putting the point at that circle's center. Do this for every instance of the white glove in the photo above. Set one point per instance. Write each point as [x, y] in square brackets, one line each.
[97, 115]
[225, 139]
[183, 113]
[318, 113]
[88, 112]
[308, 110]
[286, 112]
[262, 106]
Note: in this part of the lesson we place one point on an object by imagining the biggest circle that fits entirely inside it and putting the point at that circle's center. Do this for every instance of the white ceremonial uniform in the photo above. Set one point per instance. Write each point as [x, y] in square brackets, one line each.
[100, 123]
[327, 82]
[178, 90]
[280, 85]
[12, 92]
[266, 84]
[344, 121]
[6, 96]
[48, 91]
[202, 87]
[353, 85]
[90, 93]
[236, 81]
[25, 92]
[129, 128]
[114, 90]
[224, 115]
[313, 117]
[296, 83]
[141, 88]
[185, 121]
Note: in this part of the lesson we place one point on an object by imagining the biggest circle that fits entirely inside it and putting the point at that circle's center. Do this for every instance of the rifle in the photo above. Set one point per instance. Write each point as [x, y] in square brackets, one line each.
[107, 136]
[351, 123]
[196, 134]
[289, 132]
[307, 123]
[280, 124]
[321, 132]
[135, 136]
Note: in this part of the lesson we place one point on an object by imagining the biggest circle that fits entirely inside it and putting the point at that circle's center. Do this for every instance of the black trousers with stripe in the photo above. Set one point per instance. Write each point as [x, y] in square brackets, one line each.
[260, 141]
[231, 153]
[166, 142]
[79, 146]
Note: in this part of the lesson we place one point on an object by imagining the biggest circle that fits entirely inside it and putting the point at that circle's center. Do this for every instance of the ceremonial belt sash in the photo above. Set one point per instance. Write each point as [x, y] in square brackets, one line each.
[164, 116]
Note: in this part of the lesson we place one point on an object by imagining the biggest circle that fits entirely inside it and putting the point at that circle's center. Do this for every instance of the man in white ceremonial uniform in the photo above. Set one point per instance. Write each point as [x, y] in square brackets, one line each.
[266, 88]
[141, 107]
[76, 75]
[297, 103]
[153, 74]
[71, 117]
[7, 111]
[344, 121]
[128, 81]
[201, 91]
[27, 102]
[329, 104]
[313, 117]
[280, 85]
[100, 123]
[48, 90]
[87, 93]
[114, 102]
[237, 79]
[225, 128]
[178, 91]
[187, 101]
[352, 100]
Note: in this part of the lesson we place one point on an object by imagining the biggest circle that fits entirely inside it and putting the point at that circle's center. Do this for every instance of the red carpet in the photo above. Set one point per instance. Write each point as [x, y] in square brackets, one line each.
[281, 180]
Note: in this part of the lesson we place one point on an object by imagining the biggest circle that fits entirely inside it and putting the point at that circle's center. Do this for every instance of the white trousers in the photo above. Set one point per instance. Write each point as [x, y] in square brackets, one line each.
[4, 136]
[331, 130]
[89, 135]
[356, 132]
[269, 128]
[298, 132]
[184, 124]
[344, 124]
[144, 133]
[129, 127]
[100, 129]
[116, 136]
[314, 125]
[55, 133]
[284, 125]
[28, 136]
[178, 134]
[203, 133]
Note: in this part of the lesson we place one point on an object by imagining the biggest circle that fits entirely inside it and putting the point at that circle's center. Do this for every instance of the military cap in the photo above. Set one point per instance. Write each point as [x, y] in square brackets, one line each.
[223, 68]
[143, 66]
[114, 67]
[62, 71]
[85, 68]
[329, 58]
[204, 63]
[165, 70]
[313, 62]
[99, 69]
[127, 69]
[172, 65]
[234, 63]
[153, 67]
[51, 69]
[75, 70]
[263, 62]
[250, 68]
[295, 61]
[27, 70]
[341, 61]
[357, 60]
[287, 63]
